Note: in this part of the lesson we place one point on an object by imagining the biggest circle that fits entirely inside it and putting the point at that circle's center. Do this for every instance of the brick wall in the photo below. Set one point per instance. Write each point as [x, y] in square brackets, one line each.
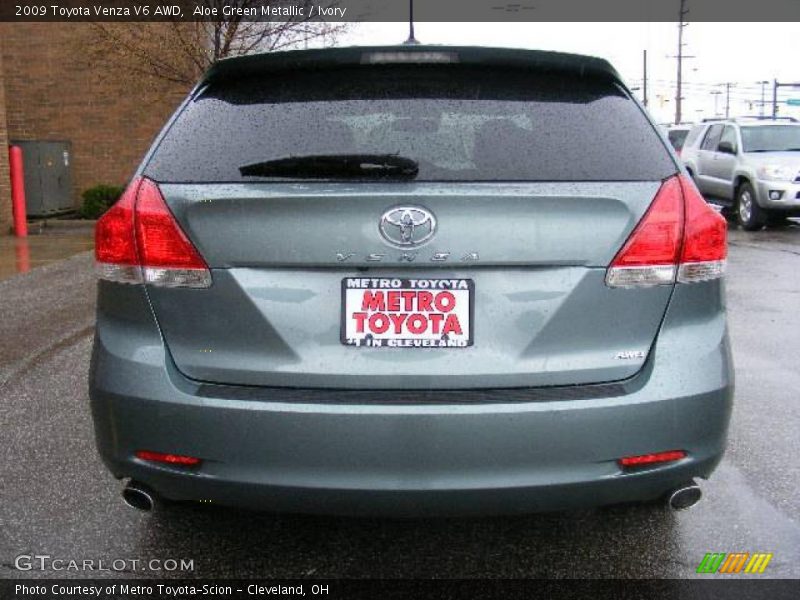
[5, 186]
[53, 94]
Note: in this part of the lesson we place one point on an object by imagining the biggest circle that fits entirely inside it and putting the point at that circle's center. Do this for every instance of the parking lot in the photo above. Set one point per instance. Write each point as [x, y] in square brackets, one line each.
[57, 498]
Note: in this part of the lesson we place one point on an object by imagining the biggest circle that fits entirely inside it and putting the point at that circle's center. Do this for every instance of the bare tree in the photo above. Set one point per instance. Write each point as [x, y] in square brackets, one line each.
[177, 52]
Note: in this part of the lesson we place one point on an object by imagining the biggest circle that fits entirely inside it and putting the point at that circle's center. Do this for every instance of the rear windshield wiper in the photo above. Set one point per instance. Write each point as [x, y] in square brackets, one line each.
[335, 166]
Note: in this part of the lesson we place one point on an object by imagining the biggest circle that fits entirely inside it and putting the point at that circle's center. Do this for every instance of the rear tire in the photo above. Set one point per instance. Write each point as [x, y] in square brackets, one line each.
[748, 213]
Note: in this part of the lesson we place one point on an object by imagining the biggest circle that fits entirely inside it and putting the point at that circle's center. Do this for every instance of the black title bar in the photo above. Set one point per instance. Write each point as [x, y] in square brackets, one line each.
[335, 589]
[337, 11]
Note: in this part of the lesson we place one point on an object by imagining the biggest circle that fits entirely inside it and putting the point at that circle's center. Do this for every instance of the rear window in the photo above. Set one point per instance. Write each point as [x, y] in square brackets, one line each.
[677, 137]
[693, 135]
[457, 123]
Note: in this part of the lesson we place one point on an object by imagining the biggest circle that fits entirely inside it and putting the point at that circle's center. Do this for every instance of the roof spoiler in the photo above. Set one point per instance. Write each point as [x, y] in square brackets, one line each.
[465, 55]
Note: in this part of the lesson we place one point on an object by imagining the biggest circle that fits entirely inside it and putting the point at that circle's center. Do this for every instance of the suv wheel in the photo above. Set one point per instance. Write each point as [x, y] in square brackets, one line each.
[749, 214]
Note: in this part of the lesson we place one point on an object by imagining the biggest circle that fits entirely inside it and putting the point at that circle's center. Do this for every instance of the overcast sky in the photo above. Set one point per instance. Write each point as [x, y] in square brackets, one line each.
[741, 53]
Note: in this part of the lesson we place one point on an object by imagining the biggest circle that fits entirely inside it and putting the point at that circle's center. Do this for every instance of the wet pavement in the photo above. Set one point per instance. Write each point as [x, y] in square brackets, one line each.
[56, 498]
[43, 246]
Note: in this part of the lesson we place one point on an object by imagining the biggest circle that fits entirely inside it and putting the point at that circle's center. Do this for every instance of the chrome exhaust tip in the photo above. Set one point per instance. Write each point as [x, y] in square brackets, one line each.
[684, 497]
[139, 496]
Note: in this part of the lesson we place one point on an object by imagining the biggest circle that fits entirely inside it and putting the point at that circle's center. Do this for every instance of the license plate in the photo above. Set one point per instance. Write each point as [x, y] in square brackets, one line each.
[407, 313]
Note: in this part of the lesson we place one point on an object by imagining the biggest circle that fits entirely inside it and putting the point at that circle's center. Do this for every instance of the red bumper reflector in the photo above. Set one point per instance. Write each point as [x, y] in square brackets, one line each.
[172, 459]
[649, 459]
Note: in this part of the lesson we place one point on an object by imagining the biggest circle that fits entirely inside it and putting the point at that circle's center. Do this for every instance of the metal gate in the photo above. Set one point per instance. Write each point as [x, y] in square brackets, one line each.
[48, 184]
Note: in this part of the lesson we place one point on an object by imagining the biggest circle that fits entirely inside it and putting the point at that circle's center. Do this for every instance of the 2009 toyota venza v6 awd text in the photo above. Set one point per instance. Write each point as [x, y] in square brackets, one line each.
[411, 280]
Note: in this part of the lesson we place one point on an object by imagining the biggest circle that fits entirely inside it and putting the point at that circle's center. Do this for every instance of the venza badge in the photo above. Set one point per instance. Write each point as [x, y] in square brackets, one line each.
[407, 226]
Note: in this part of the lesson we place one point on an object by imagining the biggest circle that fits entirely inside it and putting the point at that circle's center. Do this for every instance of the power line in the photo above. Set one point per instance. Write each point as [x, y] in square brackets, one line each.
[775, 86]
[743, 95]
[672, 82]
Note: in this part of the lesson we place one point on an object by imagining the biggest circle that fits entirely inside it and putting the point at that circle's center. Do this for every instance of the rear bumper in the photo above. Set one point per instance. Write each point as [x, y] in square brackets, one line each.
[491, 451]
[406, 463]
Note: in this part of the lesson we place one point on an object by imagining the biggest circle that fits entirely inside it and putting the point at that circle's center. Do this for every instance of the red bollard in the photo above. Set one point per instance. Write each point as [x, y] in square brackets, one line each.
[23, 256]
[18, 191]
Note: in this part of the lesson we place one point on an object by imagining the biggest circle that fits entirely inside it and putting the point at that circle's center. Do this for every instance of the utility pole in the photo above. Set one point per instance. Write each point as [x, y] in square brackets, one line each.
[716, 94]
[678, 94]
[644, 84]
[728, 87]
[763, 99]
[774, 98]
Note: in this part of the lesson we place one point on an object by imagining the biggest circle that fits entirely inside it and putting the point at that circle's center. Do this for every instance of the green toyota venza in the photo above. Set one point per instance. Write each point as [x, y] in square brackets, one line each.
[411, 280]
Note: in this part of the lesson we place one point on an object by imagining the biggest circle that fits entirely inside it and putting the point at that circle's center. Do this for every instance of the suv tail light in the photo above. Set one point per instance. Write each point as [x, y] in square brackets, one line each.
[138, 240]
[679, 238]
[705, 238]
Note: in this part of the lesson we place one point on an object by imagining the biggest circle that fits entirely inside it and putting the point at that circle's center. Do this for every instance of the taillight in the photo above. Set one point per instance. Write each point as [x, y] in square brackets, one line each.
[114, 244]
[679, 238]
[650, 255]
[705, 238]
[138, 240]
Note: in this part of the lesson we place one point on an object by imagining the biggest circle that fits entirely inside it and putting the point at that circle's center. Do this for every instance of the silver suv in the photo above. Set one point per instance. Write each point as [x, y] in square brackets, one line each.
[751, 166]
